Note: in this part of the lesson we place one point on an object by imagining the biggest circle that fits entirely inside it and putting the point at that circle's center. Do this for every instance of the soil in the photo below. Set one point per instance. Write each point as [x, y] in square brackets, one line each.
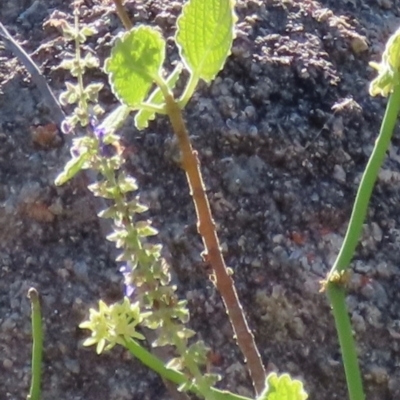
[283, 135]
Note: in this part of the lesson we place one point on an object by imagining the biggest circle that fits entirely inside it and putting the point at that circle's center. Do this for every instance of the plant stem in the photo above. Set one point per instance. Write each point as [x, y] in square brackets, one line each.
[206, 228]
[335, 290]
[83, 103]
[367, 184]
[123, 15]
[189, 90]
[337, 297]
[37, 346]
[200, 382]
[172, 375]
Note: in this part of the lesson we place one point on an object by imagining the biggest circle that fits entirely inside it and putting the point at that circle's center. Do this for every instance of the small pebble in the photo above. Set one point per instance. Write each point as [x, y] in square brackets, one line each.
[81, 271]
[7, 363]
[373, 316]
[358, 322]
[367, 291]
[377, 374]
[8, 324]
[394, 386]
[72, 366]
[339, 174]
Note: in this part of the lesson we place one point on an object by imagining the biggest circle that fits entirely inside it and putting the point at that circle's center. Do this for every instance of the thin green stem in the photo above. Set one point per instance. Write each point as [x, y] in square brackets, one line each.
[152, 108]
[168, 325]
[189, 90]
[37, 347]
[337, 297]
[172, 375]
[199, 380]
[334, 286]
[78, 59]
[367, 184]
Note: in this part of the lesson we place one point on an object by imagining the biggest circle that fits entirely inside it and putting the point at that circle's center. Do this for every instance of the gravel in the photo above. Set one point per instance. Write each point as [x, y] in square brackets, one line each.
[283, 135]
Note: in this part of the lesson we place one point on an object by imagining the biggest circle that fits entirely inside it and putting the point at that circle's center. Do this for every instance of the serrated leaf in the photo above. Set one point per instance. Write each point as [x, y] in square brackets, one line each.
[143, 117]
[282, 387]
[136, 61]
[72, 167]
[205, 34]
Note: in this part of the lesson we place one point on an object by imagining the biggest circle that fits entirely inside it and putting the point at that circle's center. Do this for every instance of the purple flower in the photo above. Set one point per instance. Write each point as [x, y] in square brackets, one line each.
[106, 150]
[66, 128]
[127, 273]
[75, 152]
[99, 132]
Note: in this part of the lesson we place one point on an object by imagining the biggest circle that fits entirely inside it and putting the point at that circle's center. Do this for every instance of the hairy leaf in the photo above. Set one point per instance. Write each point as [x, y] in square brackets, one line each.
[72, 167]
[282, 387]
[135, 63]
[205, 34]
[115, 119]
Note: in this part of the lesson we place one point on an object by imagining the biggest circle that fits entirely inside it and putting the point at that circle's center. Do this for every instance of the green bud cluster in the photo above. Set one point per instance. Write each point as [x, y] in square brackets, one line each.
[77, 64]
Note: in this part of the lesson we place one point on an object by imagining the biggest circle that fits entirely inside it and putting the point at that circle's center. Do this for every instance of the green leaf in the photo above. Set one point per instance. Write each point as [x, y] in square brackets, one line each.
[145, 229]
[115, 119]
[176, 363]
[185, 333]
[92, 91]
[103, 189]
[205, 34]
[70, 95]
[67, 63]
[126, 183]
[143, 117]
[69, 31]
[135, 63]
[90, 61]
[110, 212]
[135, 206]
[282, 387]
[388, 69]
[88, 30]
[72, 167]
[152, 249]
[119, 237]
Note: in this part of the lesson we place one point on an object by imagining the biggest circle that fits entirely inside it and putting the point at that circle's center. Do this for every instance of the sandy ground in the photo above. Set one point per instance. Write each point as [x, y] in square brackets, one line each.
[283, 134]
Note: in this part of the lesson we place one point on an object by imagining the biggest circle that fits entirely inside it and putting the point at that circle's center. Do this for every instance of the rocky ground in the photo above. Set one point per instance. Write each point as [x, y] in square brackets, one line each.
[283, 134]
